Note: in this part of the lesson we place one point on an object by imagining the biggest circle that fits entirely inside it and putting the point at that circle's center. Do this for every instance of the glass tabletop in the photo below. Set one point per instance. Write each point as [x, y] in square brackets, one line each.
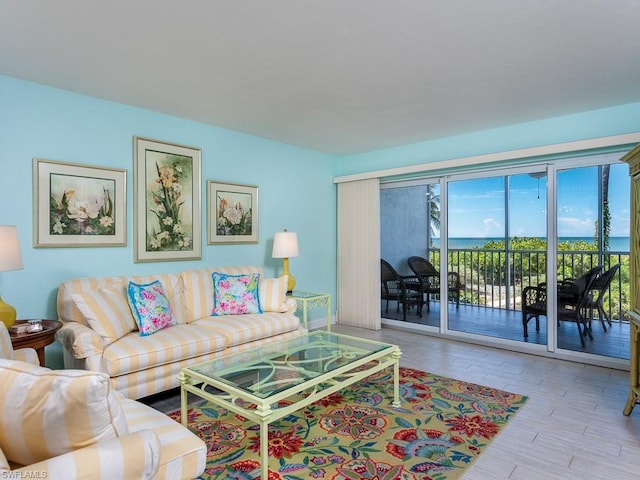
[301, 294]
[280, 365]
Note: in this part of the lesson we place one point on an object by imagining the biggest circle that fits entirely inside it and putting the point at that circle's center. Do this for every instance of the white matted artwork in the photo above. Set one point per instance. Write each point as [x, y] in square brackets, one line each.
[232, 215]
[77, 205]
[167, 213]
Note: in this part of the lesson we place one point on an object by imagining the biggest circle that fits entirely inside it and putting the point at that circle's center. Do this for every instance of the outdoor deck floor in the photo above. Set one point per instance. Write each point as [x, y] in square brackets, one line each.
[507, 324]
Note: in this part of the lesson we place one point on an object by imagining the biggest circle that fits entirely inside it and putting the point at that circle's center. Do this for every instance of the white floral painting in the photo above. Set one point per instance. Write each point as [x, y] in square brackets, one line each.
[81, 206]
[233, 213]
[78, 205]
[167, 213]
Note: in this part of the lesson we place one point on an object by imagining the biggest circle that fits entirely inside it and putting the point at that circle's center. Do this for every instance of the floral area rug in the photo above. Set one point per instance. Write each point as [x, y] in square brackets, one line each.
[442, 426]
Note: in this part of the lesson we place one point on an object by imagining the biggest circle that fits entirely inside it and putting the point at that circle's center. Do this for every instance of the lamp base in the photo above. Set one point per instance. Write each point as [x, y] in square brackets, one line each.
[7, 313]
[285, 271]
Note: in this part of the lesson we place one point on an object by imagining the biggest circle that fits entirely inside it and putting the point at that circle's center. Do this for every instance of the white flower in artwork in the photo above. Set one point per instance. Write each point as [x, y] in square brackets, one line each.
[59, 227]
[82, 210]
[106, 221]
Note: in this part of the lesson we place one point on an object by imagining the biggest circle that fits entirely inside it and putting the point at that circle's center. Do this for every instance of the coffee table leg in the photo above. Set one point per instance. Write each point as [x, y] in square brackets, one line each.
[264, 450]
[183, 379]
[396, 378]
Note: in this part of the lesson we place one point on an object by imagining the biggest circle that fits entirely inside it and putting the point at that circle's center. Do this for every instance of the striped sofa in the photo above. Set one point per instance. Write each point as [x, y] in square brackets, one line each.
[71, 424]
[99, 332]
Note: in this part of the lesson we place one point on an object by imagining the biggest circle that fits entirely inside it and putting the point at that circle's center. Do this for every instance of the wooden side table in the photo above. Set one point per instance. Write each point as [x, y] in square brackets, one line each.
[312, 300]
[36, 340]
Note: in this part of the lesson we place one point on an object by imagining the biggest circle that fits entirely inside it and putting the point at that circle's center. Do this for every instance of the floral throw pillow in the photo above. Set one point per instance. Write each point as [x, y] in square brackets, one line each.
[235, 294]
[150, 307]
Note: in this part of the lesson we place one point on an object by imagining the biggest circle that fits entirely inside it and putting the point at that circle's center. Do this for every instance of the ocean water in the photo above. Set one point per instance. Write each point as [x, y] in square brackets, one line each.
[616, 244]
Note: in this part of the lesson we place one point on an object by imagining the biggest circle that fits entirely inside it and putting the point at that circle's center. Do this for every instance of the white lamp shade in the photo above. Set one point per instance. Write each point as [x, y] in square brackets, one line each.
[285, 245]
[10, 257]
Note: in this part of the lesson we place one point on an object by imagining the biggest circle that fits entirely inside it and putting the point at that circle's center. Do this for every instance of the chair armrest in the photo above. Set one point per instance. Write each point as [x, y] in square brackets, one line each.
[79, 340]
[28, 355]
[136, 455]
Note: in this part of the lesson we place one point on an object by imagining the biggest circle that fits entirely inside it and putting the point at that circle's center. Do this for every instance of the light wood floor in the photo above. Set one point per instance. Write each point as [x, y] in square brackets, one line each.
[571, 428]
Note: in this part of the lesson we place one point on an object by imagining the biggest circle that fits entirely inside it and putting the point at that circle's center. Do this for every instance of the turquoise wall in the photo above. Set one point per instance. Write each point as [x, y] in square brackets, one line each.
[295, 185]
[569, 128]
[295, 191]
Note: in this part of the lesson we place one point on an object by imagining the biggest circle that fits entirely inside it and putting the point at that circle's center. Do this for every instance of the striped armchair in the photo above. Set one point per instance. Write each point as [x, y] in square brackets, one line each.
[71, 424]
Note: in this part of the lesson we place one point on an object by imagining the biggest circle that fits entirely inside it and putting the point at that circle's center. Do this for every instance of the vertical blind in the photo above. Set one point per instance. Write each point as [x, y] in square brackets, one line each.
[359, 253]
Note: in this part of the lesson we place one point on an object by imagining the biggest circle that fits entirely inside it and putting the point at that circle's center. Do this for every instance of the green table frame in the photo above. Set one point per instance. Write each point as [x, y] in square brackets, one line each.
[309, 300]
[318, 364]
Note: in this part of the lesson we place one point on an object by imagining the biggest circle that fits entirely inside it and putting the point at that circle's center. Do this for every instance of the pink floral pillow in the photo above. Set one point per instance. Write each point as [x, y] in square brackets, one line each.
[235, 294]
[150, 307]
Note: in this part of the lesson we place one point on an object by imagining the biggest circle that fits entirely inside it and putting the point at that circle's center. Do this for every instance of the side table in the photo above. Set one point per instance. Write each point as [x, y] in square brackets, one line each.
[308, 300]
[36, 340]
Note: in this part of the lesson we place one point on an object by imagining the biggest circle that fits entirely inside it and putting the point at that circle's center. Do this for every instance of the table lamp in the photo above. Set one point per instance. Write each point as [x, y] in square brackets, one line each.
[10, 259]
[285, 246]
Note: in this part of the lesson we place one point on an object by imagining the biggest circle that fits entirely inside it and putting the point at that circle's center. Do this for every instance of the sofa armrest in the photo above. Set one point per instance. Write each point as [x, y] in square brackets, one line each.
[79, 340]
[291, 304]
[136, 455]
[28, 355]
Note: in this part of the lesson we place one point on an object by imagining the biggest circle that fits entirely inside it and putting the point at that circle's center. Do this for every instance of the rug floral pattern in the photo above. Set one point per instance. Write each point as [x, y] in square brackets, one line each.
[442, 426]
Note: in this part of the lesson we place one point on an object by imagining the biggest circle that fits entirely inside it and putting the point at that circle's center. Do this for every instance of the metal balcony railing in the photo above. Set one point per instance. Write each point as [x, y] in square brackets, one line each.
[495, 278]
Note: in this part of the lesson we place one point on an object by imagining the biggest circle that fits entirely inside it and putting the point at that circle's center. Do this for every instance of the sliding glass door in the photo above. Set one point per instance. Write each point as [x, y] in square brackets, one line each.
[496, 275]
[593, 234]
[410, 227]
[497, 244]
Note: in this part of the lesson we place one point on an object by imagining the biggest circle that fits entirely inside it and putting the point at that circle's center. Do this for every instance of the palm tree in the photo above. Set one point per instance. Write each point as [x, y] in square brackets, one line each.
[606, 215]
[433, 210]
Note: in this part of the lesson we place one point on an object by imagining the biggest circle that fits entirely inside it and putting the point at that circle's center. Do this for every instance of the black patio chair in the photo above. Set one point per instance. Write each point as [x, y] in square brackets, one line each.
[599, 289]
[573, 301]
[406, 290]
[430, 278]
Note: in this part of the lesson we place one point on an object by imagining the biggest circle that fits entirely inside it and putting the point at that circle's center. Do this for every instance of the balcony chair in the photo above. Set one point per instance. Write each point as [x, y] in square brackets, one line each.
[406, 290]
[430, 278]
[600, 288]
[573, 301]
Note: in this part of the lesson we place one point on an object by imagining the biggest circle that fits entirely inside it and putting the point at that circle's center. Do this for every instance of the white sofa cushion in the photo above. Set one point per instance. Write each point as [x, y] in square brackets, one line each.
[273, 293]
[133, 353]
[239, 329]
[45, 413]
[107, 312]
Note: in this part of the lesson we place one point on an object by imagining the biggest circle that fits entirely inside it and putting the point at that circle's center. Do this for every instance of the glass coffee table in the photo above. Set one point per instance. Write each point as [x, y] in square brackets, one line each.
[301, 370]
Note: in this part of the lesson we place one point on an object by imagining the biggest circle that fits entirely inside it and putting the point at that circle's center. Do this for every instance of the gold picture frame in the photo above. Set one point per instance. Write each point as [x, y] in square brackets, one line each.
[232, 213]
[167, 193]
[77, 205]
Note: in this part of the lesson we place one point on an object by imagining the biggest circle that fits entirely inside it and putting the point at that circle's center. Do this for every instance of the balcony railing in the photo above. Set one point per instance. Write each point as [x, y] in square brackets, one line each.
[495, 278]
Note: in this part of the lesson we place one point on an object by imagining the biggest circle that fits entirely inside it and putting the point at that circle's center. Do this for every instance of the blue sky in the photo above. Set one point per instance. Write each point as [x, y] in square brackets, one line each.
[477, 206]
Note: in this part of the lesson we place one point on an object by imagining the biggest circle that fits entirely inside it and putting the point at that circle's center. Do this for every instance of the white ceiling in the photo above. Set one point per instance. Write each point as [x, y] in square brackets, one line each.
[337, 76]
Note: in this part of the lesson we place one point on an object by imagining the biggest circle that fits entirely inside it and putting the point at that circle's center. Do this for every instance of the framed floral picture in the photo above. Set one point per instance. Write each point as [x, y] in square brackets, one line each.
[232, 215]
[78, 205]
[167, 196]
